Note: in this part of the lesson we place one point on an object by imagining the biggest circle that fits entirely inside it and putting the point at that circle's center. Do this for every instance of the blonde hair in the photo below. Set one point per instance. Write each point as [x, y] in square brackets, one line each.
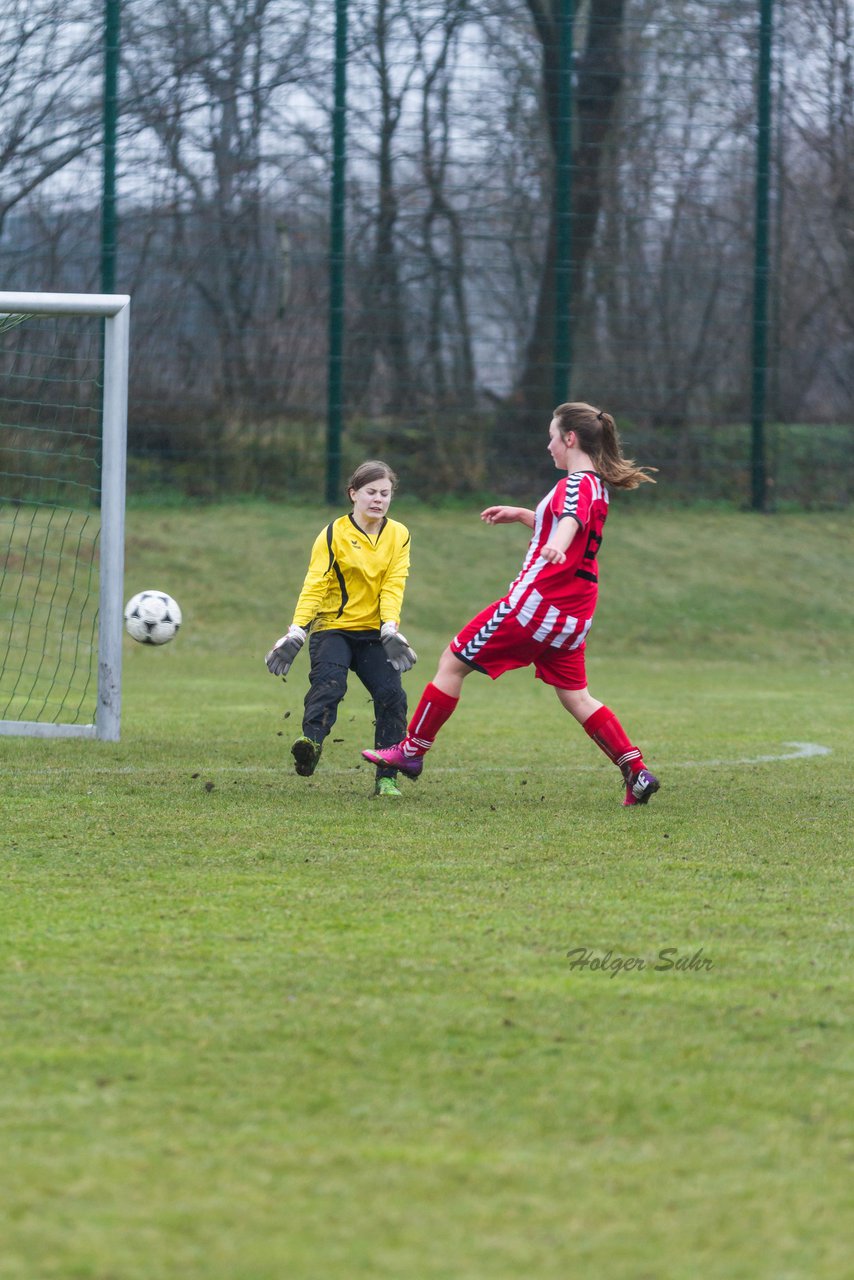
[597, 435]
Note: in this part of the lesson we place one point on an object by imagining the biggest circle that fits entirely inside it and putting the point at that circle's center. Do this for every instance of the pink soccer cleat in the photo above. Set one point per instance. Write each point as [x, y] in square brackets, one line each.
[640, 786]
[396, 758]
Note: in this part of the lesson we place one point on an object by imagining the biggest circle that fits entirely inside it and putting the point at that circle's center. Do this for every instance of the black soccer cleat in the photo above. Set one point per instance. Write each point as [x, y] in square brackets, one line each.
[306, 754]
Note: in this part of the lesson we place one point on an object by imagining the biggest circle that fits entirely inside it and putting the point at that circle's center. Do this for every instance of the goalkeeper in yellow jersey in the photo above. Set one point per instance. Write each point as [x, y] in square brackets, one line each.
[351, 602]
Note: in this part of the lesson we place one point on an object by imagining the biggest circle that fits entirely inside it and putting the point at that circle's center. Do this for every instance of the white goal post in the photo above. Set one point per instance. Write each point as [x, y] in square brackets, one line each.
[37, 654]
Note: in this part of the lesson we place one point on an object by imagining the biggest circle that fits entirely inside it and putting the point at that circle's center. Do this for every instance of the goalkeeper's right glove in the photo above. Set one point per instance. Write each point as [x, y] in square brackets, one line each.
[284, 651]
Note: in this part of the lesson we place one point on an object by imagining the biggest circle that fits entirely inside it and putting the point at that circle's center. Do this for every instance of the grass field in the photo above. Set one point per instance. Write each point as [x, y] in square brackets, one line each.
[257, 1026]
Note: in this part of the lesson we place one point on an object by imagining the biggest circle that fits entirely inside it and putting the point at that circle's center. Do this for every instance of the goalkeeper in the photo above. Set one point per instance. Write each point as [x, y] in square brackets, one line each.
[351, 601]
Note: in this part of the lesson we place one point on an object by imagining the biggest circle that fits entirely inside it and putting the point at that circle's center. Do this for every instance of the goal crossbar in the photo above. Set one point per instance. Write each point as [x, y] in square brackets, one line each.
[115, 311]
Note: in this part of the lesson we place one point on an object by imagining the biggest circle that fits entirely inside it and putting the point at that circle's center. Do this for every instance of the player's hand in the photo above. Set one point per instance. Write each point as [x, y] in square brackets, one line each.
[398, 650]
[284, 651]
[499, 515]
[553, 554]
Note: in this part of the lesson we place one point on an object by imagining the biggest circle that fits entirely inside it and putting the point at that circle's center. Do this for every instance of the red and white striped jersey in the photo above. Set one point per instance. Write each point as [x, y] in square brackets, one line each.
[569, 589]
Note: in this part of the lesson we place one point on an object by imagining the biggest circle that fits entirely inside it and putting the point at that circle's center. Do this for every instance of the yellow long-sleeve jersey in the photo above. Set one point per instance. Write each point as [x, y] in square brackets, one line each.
[354, 582]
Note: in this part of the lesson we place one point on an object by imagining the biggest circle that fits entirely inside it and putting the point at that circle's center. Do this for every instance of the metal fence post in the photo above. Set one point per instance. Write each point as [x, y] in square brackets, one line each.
[112, 25]
[562, 353]
[335, 372]
[758, 476]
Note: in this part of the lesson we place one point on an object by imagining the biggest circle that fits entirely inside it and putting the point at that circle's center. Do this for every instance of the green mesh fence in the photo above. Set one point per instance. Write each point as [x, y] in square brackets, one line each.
[540, 198]
[50, 431]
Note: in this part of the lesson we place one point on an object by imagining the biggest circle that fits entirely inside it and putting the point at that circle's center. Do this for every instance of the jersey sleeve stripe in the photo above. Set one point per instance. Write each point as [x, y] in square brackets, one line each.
[570, 502]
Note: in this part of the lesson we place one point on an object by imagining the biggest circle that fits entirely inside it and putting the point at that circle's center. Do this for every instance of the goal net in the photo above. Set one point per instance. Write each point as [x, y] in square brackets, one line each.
[63, 427]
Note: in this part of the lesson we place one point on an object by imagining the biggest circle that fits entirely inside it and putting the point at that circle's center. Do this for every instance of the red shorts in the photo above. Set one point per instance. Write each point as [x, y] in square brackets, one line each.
[501, 639]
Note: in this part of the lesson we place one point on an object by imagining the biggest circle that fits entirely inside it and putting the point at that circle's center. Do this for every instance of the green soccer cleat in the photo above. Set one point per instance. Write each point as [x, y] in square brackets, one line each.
[306, 754]
[387, 787]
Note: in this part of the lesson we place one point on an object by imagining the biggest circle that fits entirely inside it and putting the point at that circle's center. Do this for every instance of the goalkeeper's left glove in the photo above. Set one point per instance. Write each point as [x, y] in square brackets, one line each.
[397, 648]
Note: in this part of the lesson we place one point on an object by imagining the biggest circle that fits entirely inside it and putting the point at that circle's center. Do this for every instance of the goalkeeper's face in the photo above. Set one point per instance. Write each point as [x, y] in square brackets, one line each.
[371, 502]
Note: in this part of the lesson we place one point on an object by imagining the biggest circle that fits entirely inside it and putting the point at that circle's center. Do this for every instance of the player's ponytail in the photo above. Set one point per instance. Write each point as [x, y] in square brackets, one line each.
[597, 435]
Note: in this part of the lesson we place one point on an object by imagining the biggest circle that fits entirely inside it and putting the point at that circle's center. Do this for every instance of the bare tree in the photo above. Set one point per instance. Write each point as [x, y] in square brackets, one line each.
[599, 77]
[49, 94]
[816, 341]
[448, 336]
[669, 278]
[204, 81]
[379, 356]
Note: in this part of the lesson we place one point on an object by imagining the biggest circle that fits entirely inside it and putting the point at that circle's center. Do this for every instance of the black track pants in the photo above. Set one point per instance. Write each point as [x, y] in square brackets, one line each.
[333, 655]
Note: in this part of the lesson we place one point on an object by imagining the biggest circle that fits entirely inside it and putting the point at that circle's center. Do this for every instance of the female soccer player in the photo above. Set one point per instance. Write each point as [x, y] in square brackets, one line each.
[544, 619]
[351, 600]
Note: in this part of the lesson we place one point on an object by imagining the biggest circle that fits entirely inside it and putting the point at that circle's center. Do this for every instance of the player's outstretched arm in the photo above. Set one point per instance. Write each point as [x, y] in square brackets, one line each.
[508, 515]
[558, 544]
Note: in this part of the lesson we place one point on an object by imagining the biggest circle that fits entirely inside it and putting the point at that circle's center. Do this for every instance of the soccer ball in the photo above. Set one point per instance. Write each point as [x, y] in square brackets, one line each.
[152, 617]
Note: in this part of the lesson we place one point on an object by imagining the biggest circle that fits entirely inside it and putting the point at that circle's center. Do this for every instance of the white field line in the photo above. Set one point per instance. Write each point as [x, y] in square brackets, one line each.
[802, 751]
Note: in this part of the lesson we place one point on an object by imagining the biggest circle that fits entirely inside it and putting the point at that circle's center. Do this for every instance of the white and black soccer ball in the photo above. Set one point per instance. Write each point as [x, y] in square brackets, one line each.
[152, 617]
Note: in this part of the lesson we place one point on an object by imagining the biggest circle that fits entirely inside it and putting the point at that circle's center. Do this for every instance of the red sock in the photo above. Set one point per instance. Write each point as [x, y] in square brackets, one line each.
[431, 713]
[610, 736]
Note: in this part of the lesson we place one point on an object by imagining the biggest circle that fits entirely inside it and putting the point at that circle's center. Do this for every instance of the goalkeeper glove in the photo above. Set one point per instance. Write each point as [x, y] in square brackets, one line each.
[397, 648]
[284, 651]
